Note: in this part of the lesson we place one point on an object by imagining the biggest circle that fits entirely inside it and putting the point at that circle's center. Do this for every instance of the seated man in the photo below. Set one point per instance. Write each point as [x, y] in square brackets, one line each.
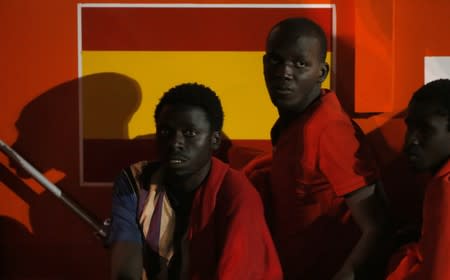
[321, 172]
[427, 145]
[189, 215]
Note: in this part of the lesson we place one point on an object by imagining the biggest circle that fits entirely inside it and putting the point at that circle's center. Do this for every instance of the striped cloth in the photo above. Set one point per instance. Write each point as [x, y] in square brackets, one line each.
[157, 219]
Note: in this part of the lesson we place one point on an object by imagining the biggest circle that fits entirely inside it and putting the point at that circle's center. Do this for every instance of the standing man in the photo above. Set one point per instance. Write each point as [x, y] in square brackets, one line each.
[189, 215]
[321, 170]
[427, 145]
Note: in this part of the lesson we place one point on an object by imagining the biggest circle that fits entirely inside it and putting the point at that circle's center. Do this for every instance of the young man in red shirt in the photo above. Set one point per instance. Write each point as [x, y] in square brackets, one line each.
[427, 145]
[321, 172]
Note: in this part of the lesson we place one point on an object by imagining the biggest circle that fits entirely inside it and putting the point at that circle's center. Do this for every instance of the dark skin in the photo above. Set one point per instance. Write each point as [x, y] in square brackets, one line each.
[186, 142]
[294, 71]
[427, 146]
[427, 139]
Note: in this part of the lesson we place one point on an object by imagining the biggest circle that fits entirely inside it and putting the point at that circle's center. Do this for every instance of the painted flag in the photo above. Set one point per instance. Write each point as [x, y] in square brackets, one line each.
[144, 50]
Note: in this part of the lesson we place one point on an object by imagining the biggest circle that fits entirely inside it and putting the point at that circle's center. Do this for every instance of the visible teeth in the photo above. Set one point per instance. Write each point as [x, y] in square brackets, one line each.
[175, 161]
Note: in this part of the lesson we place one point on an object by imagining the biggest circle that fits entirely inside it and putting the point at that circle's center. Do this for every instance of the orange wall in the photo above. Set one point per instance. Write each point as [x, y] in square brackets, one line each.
[381, 48]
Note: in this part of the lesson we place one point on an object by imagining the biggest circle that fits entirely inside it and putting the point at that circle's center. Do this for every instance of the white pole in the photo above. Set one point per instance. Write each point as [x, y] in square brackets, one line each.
[100, 229]
[30, 169]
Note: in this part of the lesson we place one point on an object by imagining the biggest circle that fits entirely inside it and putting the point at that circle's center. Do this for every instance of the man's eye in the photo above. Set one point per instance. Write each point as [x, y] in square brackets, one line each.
[163, 132]
[299, 64]
[190, 132]
[271, 59]
[274, 60]
[426, 130]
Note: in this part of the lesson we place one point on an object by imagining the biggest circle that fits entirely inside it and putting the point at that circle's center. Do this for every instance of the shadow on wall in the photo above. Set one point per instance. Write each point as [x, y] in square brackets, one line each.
[107, 109]
[104, 157]
[61, 245]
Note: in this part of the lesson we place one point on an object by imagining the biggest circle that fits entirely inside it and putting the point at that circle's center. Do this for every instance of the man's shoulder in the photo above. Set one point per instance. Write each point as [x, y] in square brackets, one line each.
[220, 169]
[235, 176]
[441, 181]
[140, 166]
[330, 108]
[328, 112]
[138, 174]
[237, 185]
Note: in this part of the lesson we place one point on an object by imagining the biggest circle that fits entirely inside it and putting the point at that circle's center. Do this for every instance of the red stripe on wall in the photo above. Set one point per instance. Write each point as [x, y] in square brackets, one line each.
[186, 29]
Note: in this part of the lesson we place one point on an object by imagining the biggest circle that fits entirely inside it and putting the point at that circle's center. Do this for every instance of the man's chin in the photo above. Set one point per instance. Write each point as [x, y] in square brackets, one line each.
[418, 167]
[283, 105]
[175, 171]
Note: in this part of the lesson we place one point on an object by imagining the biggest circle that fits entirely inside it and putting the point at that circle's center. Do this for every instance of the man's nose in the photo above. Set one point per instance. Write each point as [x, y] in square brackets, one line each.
[411, 139]
[177, 140]
[285, 70]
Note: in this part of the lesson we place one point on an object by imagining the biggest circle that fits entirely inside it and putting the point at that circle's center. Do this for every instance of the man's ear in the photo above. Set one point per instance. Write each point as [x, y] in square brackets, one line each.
[324, 69]
[216, 139]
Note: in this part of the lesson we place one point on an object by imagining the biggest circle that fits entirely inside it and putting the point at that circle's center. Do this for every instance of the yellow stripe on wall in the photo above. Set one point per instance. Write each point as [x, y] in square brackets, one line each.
[237, 77]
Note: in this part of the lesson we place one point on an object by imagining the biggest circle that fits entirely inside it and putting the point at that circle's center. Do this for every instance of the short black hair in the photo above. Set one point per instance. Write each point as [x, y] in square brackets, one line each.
[194, 94]
[304, 26]
[436, 93]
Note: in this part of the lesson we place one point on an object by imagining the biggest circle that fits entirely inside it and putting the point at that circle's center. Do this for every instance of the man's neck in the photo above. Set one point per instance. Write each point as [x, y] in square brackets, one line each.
[188, 183]
[287, 116]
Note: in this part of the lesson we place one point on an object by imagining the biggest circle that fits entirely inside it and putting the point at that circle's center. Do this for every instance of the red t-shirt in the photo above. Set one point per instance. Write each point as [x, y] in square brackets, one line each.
[317, 159]
[430, 258]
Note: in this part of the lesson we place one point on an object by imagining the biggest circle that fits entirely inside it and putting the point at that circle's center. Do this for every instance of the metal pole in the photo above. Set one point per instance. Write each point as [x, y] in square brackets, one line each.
[100, 228]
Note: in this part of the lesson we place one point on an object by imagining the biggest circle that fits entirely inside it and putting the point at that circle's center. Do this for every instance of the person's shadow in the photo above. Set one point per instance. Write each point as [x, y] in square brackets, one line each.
[50, 128]
[61, 245]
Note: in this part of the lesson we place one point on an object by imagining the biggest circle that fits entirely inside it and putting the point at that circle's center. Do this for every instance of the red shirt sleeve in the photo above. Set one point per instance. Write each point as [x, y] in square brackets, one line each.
[248, 251]
[435, 241]
[344, 158]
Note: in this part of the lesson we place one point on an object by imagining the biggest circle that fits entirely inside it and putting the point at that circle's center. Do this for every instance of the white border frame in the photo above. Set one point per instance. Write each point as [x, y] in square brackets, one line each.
[80, 6]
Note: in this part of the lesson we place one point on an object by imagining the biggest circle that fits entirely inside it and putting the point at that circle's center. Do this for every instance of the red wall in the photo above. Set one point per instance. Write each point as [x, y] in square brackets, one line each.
[380, 52]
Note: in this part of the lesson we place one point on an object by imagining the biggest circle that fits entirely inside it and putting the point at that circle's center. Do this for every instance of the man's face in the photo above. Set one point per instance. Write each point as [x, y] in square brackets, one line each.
[427, 139]
[293, 70]
[185, 140]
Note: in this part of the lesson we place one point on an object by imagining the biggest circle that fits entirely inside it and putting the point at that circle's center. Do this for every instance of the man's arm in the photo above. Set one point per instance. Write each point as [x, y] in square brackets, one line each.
[369, 210]
[247, 248]
[126, 260]
[125, 235]
[435, 241]
[258, 172]
[347, 162]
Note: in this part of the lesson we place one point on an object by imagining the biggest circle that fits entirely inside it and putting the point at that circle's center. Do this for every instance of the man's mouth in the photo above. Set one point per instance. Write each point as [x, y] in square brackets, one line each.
[412, 156]
[283, 91]
[175, 161]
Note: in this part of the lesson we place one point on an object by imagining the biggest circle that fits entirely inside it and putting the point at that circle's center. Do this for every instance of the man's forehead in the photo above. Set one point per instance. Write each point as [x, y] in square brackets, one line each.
[181, 107]
[183, 113]
[425, 107]
[293, 31]
[288, 37]
[425, 114]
